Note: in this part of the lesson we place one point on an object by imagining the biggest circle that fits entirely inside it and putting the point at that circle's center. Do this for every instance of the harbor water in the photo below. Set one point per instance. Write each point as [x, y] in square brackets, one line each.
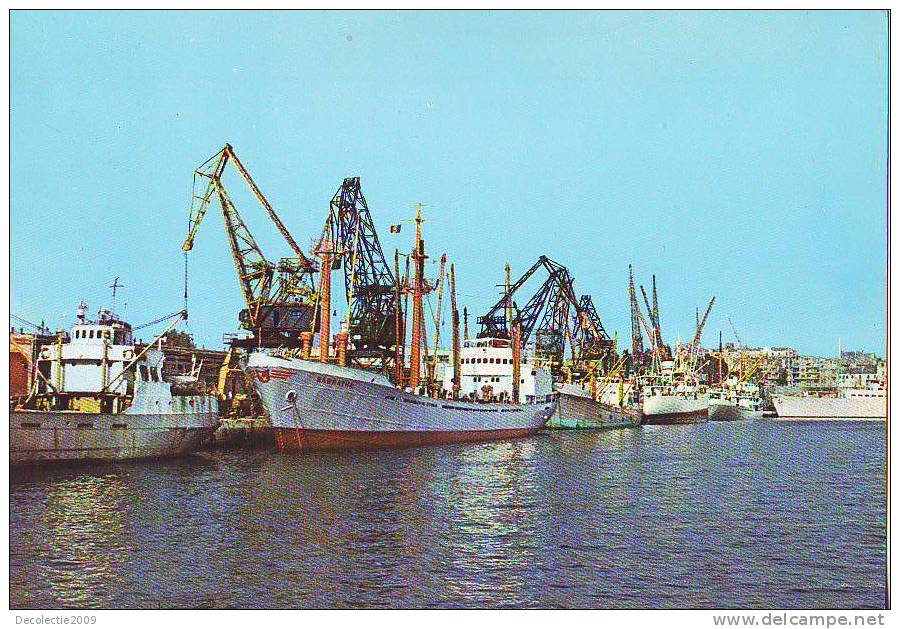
[745, 514]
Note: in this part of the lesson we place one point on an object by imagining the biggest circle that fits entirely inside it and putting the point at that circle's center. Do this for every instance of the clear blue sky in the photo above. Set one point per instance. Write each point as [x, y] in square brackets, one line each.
[741, 154]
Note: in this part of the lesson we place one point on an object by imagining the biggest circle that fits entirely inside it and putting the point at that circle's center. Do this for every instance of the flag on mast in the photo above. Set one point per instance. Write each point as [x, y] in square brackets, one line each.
[395, 229]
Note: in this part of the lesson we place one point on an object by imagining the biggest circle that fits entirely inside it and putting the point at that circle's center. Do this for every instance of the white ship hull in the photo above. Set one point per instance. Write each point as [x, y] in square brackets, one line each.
[725, 411]
[576, 409]
[316, 406]
[47, 436]
[802, 407]
[674, 409]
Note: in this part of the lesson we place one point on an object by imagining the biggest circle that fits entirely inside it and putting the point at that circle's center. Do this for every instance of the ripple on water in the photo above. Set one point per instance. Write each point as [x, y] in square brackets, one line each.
[755, 514]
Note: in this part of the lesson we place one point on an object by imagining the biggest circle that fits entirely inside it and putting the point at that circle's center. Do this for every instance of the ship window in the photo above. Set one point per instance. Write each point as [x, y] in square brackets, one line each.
[144, 376]
[154, 374]
[91, 334]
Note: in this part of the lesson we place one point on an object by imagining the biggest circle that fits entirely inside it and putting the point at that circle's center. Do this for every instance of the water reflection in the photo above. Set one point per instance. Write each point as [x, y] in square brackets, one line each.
[747, 514]
[77, 535]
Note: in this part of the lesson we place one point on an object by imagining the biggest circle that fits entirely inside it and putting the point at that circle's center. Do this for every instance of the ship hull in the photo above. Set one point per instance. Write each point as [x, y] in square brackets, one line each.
[314, 406]
[54, 436]
[672, 409]
[728, 412]
[304, 440]
[576, 411]
[835, 409]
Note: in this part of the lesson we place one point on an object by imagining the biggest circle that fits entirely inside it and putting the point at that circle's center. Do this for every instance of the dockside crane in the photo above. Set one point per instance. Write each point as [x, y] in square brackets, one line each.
[369, 282]
[279, 297]
[545, 316]
[735, 332]
[553, 317]
[590, 338]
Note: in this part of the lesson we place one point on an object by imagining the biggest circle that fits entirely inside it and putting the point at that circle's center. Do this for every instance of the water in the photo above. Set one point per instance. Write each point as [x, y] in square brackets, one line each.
[750, 514]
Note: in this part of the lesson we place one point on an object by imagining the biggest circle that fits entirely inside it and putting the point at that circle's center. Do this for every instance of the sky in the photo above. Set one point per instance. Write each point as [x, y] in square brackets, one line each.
[735, 154]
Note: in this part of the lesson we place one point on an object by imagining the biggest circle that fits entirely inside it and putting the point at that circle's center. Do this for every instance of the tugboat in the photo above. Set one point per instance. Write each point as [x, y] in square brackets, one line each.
[322, 404]
[98, 396]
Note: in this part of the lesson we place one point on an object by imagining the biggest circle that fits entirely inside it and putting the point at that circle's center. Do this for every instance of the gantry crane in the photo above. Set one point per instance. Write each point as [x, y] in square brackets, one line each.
[280, 297]
[554, 316]
[590, 338]
[369, 282]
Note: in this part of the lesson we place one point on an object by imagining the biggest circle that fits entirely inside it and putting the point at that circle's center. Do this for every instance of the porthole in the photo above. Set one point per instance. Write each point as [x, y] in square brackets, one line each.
[290, 397]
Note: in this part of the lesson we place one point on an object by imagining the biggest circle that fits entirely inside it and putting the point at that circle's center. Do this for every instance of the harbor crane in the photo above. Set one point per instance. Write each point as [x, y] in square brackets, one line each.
[588, 334]
[369, 282]
[734, 330]
[279, 297]
[552, 317]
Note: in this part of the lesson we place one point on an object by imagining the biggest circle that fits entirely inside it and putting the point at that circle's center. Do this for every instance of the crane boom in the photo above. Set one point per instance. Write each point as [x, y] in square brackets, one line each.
[695, 343]
[303, 260]
[279, 298]
[733, 329]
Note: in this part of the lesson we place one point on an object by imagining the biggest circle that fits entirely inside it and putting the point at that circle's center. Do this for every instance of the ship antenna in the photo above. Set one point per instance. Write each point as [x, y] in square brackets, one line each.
[115, 285]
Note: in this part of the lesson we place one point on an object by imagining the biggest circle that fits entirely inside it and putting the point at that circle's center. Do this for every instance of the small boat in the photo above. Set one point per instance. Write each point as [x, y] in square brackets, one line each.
[98, 396]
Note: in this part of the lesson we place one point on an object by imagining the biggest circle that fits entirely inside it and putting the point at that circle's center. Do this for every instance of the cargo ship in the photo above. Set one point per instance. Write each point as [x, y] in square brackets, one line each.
[323, 404]
[672, 398]
[98, 396]
[868, 403]
[578, 408]
[735, 401]
[320, 406]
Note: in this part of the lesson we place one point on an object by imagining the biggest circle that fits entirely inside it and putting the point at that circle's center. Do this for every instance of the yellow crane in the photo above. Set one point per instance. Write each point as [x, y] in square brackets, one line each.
[280, 297]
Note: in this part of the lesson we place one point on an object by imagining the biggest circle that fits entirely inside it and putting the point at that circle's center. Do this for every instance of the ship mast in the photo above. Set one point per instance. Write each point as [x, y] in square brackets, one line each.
[324, 251]
[418, 256]
[515, 341]
[399, 325]
[454, 322]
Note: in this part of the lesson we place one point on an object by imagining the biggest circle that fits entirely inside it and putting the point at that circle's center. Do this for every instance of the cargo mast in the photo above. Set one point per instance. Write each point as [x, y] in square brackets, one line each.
[418, 256]
[454, 322]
